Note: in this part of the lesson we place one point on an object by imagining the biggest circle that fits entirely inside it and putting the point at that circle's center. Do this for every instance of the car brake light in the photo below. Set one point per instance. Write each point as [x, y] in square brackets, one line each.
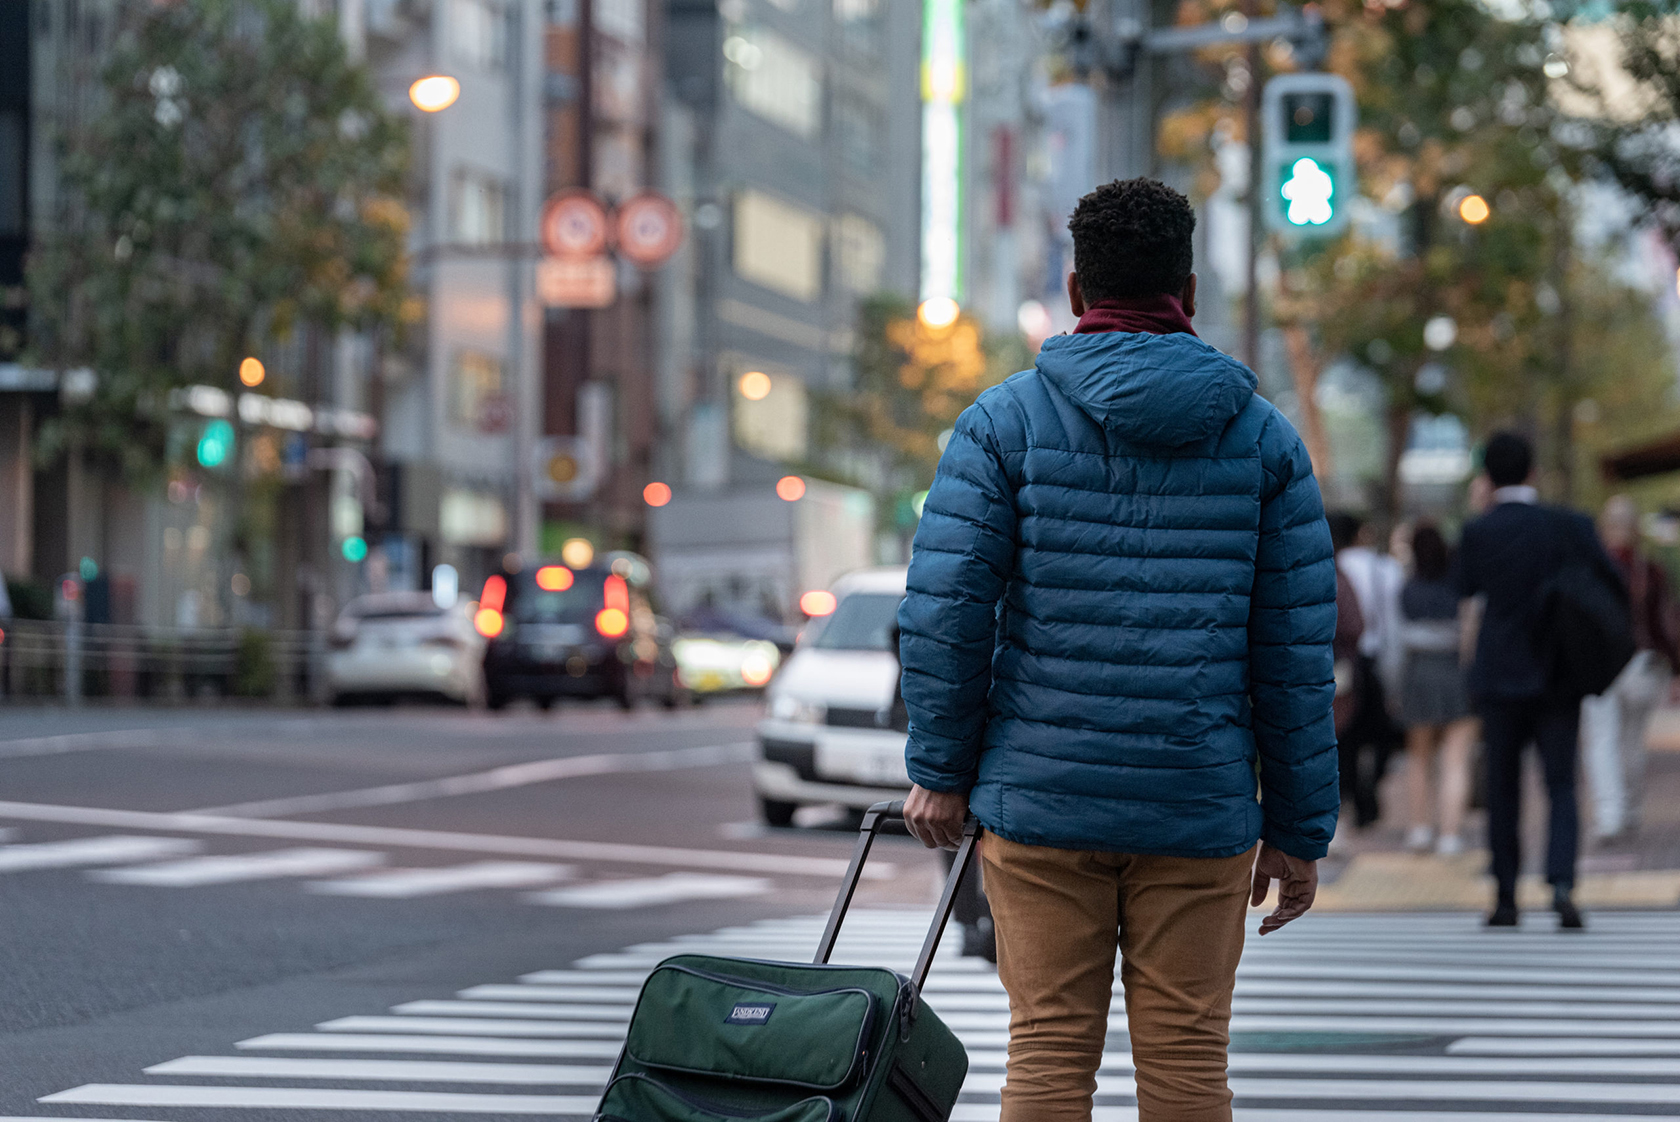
[495, 596]
[554, 578]
[616, 594]
[818, 602]
[612, 622]
[488, 621]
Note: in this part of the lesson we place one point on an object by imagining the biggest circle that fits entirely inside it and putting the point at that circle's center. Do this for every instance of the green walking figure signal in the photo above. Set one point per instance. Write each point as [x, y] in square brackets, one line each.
[1307, 167]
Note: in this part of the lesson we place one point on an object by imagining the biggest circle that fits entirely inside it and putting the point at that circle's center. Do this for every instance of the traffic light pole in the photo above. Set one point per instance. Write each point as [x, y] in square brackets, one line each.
[1251, 266]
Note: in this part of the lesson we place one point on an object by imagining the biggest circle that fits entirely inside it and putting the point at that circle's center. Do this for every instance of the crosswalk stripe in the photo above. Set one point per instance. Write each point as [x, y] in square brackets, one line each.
[465, 1026]
[313, 1098]
[113, 850]
[1560, 1046]
[193, 872]
[513, 1009]
[610, 995]
[394, 1071]
[433, 1045]
[401, 884]
[645, 891]
[585, 977]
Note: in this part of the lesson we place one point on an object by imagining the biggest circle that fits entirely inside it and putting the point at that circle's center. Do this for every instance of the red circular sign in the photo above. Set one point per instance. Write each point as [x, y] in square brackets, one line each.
[574, 224]
[650, 228]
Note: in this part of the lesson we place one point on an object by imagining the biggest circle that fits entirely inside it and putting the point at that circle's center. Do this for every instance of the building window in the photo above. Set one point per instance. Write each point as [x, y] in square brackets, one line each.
[778, 246]
[475, 208]
[775, 425]
[478, 33]
[859, 128]
[476, 400]
[860, 24]
[775, 79]
[860, 251]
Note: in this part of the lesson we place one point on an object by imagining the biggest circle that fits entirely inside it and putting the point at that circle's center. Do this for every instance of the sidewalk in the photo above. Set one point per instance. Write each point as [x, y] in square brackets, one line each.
[1370, 871]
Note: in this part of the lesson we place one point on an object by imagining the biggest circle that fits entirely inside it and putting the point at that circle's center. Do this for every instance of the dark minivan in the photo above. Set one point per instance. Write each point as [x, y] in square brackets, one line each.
[552, 631]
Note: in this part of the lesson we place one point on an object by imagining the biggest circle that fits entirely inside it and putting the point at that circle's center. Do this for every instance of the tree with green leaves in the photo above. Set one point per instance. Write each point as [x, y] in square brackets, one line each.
[234, 178]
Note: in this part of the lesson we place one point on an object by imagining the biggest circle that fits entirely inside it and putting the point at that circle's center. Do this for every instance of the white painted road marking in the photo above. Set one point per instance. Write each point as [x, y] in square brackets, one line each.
[455, 1026]
[194, 872]
[399, 884]
[610, 995]
[668, 889]
[114, 850]
[495, 779]
[513, 1009]
[394, 1071]
[438, 1045]
[401, 838]
[311, 1098]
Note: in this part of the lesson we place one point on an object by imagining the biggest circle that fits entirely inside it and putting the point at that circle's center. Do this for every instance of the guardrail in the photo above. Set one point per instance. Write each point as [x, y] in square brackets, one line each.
[42, 659]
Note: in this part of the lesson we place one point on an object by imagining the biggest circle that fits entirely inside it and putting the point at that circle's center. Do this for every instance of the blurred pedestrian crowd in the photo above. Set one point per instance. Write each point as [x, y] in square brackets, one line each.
[1535, 628]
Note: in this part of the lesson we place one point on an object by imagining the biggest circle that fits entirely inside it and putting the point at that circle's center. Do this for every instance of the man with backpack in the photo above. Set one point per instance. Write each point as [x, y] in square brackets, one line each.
[1550, 612]
[1120, 610]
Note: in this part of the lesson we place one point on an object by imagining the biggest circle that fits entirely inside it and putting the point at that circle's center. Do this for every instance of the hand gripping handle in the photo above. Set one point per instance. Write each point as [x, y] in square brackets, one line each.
[874, 819]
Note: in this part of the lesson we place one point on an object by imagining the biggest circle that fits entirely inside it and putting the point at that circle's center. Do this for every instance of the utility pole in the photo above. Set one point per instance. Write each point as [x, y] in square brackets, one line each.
[1251, 266]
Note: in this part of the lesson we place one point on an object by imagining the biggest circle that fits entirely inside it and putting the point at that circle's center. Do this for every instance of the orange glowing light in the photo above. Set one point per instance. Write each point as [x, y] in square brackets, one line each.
[656, 494]
[818, 602]
[790, 488]
[754, 385]
[611, 622]
[489, 622]
[495, 593]
[434, 93]
[251, 372]
[755, 670]
[1474, 209]
[616, 594]
[554, 578]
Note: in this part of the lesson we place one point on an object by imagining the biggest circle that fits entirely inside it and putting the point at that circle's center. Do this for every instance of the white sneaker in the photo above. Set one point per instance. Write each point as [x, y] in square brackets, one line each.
[1449, 845]
[1418, 838]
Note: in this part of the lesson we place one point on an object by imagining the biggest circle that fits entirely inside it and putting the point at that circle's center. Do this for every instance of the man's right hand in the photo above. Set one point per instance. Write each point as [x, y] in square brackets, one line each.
[935, 818]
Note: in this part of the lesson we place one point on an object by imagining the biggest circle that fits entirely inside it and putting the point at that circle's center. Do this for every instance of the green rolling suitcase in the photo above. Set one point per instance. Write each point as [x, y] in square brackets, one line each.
[738, 1040]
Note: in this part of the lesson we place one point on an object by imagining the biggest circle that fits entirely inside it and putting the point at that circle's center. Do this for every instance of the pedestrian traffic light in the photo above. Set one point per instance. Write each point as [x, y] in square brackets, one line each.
[1308, 178]
[215, 444]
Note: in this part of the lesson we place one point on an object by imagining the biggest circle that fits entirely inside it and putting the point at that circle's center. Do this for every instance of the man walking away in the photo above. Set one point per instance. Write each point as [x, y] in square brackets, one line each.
[1120, 608]
[1509, 555]
[1613, 723]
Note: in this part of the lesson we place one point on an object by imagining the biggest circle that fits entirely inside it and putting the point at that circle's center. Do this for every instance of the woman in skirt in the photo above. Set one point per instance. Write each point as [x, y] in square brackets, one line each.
[1434, 704]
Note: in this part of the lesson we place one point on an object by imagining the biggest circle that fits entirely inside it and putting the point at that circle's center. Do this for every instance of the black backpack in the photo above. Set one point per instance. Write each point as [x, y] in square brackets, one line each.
[1584, 627]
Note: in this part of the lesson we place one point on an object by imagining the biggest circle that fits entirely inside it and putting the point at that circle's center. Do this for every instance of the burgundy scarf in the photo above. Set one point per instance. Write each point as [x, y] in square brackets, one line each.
[1160, 314]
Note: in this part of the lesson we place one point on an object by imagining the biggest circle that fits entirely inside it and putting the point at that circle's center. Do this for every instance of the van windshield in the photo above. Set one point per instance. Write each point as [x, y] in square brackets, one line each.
[862, 621]
[577, 604]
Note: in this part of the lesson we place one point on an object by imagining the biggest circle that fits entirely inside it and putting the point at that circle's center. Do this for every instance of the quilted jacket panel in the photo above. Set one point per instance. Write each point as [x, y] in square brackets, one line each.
[1121, 601]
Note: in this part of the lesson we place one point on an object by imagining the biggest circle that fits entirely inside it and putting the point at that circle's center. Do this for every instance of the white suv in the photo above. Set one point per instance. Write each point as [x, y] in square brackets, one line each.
[829, 734]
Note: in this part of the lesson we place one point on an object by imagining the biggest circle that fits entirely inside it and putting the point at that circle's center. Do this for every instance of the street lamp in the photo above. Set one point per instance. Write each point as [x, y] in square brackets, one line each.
[434, 93]
[1474, 209]
[938, 312]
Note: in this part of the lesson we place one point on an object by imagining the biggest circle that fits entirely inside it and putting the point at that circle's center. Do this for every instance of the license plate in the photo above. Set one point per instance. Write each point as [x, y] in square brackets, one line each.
[882, 767]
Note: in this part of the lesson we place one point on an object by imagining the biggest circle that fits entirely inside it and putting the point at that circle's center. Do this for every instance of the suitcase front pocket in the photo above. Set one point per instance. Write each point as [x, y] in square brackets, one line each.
[740, 1028]
[639, 1098]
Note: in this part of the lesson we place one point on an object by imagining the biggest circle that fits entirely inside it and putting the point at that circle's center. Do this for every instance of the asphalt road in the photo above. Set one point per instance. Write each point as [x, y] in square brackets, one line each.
[131, 933]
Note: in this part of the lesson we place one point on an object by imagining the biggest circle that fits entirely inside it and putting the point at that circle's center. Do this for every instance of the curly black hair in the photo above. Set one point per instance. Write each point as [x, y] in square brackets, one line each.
[1132, 238]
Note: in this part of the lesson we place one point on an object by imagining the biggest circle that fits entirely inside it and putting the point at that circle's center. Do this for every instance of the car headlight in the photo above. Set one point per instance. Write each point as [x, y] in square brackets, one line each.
[786, 708]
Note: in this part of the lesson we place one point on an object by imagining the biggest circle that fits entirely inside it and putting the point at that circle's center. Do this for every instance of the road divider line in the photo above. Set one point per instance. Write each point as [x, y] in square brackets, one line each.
[495, 779]
[90, 741]
[404, 838]
[195, 872]
[402, 884]
[313, 1098]
[431, 1045]
[393, 1071]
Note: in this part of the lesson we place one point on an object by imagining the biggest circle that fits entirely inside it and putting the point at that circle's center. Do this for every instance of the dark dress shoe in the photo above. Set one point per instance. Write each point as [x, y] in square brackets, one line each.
[1569, 916]
[1504, 915]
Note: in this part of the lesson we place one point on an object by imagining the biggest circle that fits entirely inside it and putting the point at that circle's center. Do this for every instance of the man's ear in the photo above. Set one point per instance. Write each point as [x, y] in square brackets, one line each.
[1188, 297]
[1076, 296]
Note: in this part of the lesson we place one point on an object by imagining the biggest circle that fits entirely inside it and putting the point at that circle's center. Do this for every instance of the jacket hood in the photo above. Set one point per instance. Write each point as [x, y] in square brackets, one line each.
[1162, 390]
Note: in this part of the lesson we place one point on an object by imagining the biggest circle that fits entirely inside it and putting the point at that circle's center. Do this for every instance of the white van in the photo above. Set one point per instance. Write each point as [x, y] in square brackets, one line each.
[828, 734]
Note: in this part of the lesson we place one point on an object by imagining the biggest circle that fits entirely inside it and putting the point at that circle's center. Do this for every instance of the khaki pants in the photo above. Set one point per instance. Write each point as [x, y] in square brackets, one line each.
[1180, 933]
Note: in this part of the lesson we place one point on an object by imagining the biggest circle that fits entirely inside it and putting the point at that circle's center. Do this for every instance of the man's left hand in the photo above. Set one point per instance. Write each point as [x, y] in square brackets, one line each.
[935, 818]
[1297, 886]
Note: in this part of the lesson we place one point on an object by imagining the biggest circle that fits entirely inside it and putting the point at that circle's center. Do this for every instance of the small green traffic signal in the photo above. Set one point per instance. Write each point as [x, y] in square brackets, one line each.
[1307, 125]
[355, 548]
[216, 444]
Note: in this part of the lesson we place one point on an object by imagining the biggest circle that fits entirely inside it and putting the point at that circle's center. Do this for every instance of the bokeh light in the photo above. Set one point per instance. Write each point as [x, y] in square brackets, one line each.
[577, 552]
[754, 385]
[656, 494]
[251, 372]
[1474, 209]
[434, 92]
[938, 312]
[790, 488]
[818, 602]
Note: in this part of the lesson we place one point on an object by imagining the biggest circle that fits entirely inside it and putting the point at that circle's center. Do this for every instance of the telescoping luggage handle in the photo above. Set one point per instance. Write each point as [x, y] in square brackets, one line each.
[874, 819]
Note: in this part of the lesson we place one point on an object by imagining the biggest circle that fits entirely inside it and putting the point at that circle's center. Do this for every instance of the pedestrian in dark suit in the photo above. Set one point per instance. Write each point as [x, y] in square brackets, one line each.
[1507, 555]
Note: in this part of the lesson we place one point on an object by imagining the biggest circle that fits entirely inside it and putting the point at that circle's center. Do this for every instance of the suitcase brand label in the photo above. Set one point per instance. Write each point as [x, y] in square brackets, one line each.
[750, 1013]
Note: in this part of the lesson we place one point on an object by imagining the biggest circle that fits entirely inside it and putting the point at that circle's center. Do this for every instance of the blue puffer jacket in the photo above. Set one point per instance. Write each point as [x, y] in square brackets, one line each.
[1120, 609]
